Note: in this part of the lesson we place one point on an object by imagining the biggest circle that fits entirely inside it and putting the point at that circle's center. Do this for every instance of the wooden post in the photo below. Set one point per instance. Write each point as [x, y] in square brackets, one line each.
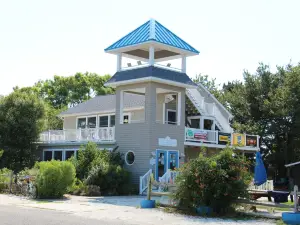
[295, 198]
[10, 182]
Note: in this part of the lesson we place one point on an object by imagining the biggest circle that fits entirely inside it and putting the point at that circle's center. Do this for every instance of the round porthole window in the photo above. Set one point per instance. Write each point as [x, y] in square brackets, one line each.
[129, 158]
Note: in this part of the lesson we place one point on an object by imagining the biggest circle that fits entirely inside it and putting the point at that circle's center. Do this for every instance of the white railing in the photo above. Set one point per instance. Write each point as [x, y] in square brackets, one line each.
[72, 135]
[199, 135]
[144, 181]
[169, 177]
[268, 186]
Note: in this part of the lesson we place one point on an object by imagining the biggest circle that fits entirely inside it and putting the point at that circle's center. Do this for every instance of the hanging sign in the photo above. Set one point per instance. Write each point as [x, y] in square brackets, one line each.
[224, 138]
[238, 139]
[196, 134]
[251, 141]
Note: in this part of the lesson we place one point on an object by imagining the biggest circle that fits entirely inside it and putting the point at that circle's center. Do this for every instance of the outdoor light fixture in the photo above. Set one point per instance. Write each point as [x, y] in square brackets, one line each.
[129, 64]
[169, 64]
[139, 63]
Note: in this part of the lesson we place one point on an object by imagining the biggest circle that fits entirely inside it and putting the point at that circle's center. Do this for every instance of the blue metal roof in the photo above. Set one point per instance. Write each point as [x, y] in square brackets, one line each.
[160, 34]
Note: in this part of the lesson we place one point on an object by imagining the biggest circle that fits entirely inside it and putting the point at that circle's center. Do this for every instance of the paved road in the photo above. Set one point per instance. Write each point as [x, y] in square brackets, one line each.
[12, 215]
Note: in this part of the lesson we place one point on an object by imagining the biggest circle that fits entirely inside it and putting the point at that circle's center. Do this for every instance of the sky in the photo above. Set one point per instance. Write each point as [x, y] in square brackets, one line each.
[43, 38]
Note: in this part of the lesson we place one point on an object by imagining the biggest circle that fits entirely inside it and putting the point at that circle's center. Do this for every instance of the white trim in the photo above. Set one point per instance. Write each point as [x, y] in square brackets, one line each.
[292, 164]
[216, 100]
[183, 64]
[119, 61]
[155, 44]
[126, 158]
[178, 108]
[245, 148]
[100, 112]
[121, 106]
[164, 112]
[149, 79]
[151, 55]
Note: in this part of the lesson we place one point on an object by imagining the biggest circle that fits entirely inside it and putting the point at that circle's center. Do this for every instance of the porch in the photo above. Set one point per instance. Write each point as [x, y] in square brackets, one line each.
[103, 134]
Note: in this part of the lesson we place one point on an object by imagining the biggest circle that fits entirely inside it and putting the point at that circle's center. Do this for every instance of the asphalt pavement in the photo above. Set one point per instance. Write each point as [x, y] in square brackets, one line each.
[13, 215]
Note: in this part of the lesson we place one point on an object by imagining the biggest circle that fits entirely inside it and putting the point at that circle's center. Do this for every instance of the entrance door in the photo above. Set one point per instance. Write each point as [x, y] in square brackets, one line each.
[161, 163]
[173, 160]
[165, 160]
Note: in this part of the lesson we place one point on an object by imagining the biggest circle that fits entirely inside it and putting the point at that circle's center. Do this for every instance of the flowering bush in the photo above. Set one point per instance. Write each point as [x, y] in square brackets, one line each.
[215, 182]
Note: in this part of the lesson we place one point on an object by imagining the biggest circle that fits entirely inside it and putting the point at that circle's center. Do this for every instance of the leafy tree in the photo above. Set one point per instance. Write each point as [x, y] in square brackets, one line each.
[21, 121]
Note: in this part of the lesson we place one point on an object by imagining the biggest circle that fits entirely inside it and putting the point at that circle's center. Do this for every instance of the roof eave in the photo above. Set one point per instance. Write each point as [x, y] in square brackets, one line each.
[149, 79]
[155, 43]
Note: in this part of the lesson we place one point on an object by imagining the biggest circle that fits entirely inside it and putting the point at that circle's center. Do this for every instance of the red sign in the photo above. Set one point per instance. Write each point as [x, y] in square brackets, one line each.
[202, 135]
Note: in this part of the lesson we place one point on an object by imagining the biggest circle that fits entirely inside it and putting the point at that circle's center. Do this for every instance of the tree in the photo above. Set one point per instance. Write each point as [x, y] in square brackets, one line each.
[267, 104]
[21, 121]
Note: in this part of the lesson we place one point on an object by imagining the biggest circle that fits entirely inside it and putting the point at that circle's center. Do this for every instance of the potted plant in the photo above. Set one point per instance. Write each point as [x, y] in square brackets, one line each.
[148, 203]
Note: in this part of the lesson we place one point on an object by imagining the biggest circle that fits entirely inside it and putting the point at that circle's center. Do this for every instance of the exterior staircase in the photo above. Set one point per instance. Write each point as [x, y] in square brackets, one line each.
[220, 114]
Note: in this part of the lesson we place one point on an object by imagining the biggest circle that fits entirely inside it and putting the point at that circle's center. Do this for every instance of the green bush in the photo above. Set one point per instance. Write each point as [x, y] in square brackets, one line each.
[112, 179]
[215, 182]
[4, 179]
[91, 156]
[54, 178]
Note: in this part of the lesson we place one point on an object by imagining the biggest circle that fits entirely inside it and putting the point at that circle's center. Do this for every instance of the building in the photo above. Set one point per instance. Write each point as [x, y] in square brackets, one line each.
[159, 118]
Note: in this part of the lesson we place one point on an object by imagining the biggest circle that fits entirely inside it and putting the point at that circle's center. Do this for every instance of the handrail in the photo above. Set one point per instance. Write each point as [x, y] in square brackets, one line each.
[144, 181]
[89, 134]
[169, 177]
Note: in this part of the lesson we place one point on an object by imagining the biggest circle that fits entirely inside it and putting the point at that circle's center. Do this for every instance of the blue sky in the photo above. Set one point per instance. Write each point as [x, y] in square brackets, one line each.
[40, 38]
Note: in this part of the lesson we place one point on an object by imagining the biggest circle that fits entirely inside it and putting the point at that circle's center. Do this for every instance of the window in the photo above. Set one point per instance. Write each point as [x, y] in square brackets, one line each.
[91, 122]
[126, 119]
[103, 121]
[171, 116]
[81, 123]
[47, 155]
[208, 124]
[129, 158]
[112, 120]
[195, 123]
[86, 122]
[69, 154]
[58, 155]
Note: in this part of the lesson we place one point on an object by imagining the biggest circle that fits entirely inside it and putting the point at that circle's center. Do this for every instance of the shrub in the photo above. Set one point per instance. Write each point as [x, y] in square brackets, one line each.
[4, 179]
[54, 178]
[215, 182]
[113, 179]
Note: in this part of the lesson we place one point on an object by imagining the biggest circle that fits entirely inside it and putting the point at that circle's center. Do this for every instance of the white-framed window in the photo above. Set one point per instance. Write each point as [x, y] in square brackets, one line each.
[129, 158]
[107, 120]
[171, 116]
[58, 154]
[86, 122]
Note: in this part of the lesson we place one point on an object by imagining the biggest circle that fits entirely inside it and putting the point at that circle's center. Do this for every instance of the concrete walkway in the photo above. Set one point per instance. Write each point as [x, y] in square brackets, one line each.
[122, 208]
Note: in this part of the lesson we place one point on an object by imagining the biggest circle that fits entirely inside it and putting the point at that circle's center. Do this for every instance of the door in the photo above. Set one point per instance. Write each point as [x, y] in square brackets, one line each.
[161, 163]
[173, 160]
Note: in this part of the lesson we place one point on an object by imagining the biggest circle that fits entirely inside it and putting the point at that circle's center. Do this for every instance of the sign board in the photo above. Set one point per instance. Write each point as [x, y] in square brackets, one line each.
[167, 141]
[224, 138]
[251, 141]
[238, 139]
[196, 134]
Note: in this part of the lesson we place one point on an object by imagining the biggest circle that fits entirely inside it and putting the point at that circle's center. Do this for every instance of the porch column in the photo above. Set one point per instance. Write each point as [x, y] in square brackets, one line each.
[119, 62]
[183, 64]
[151, 55]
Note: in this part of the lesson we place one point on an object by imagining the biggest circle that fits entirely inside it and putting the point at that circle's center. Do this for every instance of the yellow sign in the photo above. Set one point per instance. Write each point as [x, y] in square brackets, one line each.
[223, 138]
[239, 139]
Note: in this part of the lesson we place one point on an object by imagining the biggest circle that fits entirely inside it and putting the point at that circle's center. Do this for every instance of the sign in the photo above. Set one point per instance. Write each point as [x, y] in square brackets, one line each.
[224, 138]
[196, 134]
[238, 139]
[200, 135]
[251, 141]
[167, 142]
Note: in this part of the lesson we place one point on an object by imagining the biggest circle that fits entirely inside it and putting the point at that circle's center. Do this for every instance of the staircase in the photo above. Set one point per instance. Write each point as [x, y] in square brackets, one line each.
[209, 109]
